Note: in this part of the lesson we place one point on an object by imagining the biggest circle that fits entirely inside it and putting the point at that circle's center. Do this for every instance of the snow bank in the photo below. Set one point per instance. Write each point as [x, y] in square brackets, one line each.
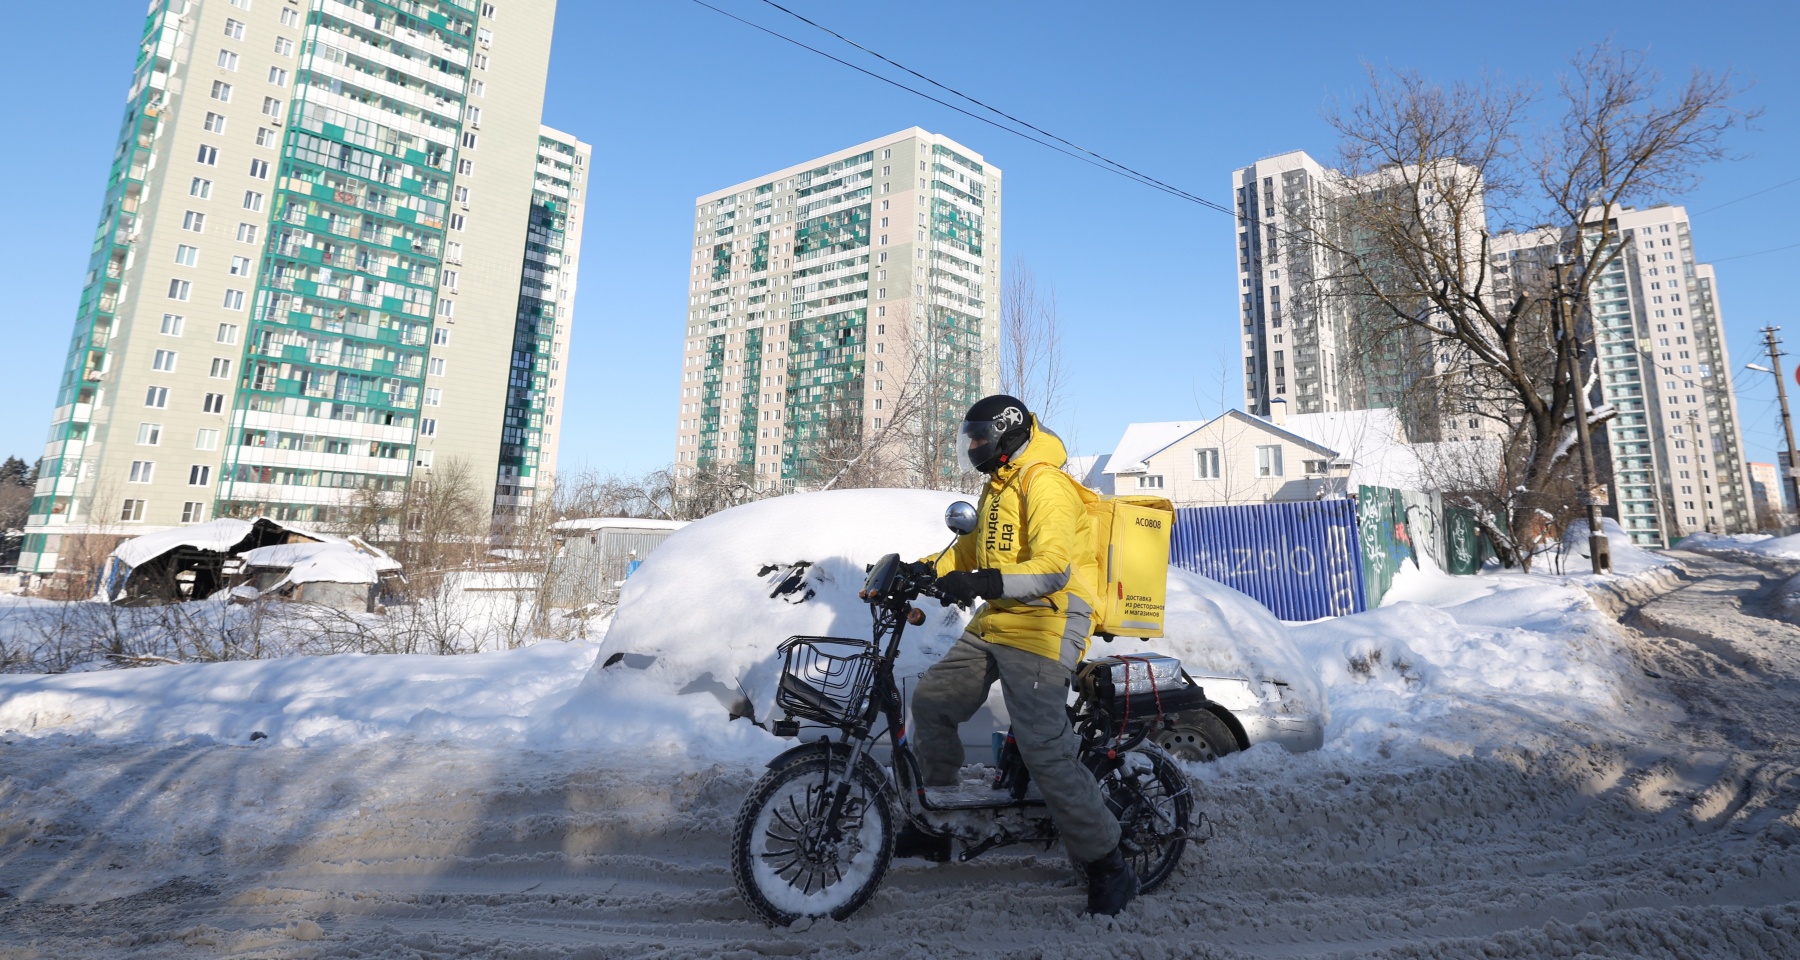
[1627, 558]
[1748, 547]
[307, 701]
[1458, 665]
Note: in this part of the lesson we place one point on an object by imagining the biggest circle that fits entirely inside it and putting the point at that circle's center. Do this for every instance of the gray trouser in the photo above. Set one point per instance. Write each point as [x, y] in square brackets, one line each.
[1036, 691]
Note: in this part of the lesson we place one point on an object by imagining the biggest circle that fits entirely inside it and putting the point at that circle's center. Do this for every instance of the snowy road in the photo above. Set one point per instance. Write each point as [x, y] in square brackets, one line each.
[1688, 846]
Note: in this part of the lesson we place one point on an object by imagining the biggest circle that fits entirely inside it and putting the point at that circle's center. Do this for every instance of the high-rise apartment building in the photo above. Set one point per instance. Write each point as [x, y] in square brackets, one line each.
[1675, 445]
[1766, 495]
[1303, 343]
[827, 297]
[336, 249]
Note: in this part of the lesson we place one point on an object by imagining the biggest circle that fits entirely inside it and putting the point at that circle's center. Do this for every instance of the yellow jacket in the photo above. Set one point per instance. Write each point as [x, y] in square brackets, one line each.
[1035, 532]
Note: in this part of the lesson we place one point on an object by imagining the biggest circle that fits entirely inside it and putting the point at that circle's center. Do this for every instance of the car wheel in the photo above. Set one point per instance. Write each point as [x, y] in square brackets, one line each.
[1196, 736]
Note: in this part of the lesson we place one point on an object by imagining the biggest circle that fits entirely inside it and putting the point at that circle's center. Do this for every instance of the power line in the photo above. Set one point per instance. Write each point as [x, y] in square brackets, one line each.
[1747, 196]
[1758, 253]
[1138, 174]
[1054, 143]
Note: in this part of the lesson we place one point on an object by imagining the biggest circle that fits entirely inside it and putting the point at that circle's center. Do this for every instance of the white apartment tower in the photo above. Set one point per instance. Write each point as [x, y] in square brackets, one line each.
[818, 292]
[322, 266]
[1675, 446]
[1302, 344]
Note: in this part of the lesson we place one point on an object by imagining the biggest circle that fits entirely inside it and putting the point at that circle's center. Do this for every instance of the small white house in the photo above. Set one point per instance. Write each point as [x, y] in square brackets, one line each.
[1237, 458]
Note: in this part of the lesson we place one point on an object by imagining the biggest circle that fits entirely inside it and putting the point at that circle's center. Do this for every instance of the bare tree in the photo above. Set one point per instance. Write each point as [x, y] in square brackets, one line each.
[1032, 365]
[1425, 170]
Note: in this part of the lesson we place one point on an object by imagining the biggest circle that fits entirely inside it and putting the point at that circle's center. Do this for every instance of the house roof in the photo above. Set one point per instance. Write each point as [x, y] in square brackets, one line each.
[1145, 440]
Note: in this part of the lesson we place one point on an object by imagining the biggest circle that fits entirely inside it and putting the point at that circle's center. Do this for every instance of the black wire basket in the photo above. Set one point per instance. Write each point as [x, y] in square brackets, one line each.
[825, 679]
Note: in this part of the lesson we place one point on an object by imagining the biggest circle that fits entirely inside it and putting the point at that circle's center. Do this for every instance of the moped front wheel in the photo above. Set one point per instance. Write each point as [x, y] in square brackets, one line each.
[786, 861]
[1154, 802]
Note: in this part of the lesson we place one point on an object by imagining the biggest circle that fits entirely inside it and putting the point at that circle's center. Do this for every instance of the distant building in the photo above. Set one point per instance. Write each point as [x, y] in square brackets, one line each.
[335, 245]
[1767, 495]
[1675, 449]
[819, 292]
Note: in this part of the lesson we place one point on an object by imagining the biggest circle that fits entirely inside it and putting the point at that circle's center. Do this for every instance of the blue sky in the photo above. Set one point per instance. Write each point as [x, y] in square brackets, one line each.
[678, 101]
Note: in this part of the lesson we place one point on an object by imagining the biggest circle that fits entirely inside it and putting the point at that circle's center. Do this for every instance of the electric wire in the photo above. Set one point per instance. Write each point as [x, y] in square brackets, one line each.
[1757, 253]
[1720, 206]
[1054, 142]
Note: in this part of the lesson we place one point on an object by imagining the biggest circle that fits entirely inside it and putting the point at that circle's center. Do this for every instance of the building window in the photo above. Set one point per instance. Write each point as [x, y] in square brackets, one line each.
[289, 16]
[465, 167]
[480, 61]
[221, 369]
[1150, 482]
[1268, 461]
[246, 232]
[149, 434]
[440, 336]
[234, 300]
[457, 221]
[265, 137]
[434, 397]
[259, 169]
[1313, 467]
[133, 512]
[171, 324]
[187, 256]
[423, 460]
[206, 439]
[468, 140]
[141, 471]
[200, 187]
[228, 60]
[278, 76]
[199, 475]
[427, 427]
[208, 155]
[487, 11]
[193, 220]
[1206, 464]
[157, 397]
[437, 366]
[214, 123]
[472, 114]
[179, 289]
[163, 360]
[240, 266]
[272, 107]
[284, 47]
[228, 333]
[446, 307]
[193, 511]
[221, 91]
[213, 403]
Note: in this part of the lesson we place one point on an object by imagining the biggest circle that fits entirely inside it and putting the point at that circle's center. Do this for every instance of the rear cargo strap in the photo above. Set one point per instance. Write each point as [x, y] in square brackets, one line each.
[1155, 691]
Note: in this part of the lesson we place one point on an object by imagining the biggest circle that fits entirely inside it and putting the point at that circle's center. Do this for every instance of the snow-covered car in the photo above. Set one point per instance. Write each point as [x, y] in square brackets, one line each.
[703, 616]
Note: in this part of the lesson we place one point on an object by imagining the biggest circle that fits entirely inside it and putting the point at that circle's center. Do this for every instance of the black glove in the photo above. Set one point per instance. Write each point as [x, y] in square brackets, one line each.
[963, 587]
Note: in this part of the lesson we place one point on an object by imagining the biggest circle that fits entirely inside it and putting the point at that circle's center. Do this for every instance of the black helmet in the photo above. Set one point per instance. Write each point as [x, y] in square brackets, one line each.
[994, 430]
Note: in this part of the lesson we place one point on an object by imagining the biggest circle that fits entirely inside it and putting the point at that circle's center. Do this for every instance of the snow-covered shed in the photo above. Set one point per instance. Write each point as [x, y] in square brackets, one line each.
[593, 555]
[258, 556]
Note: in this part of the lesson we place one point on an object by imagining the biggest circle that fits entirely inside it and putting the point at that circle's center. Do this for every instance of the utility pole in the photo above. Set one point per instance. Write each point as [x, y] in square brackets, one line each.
[1599, 549]
[1790, 481]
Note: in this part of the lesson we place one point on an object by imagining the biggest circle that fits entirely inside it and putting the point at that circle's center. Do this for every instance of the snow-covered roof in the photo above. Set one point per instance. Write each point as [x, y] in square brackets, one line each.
[1091, 471]
[332, 559]
[220, 535]
[1144, 440]
[618, 523]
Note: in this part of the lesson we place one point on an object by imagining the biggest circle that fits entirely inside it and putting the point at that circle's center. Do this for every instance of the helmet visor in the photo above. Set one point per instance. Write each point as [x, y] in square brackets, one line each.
[978, 445]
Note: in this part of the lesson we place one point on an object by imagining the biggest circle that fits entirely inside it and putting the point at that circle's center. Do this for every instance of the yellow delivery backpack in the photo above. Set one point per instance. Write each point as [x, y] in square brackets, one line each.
[1131, 551]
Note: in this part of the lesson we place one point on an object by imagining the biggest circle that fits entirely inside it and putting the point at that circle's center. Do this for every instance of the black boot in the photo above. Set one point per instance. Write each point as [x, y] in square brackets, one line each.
[1112, 884]
[911, 842]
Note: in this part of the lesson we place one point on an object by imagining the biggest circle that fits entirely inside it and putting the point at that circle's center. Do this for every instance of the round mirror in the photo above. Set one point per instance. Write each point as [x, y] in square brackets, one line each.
[960, 517]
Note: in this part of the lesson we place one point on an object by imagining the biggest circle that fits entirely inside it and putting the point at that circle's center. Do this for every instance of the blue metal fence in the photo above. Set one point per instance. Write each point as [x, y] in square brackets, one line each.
[1301, 560]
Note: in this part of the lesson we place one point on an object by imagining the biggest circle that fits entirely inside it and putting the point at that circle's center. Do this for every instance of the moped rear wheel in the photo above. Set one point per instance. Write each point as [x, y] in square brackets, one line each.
[784, 860]
[1155, 804]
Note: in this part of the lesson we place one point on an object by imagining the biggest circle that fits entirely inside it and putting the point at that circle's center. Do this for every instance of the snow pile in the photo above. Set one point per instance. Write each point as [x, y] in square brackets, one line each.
[1747, 547]
[1628, 558]
[330, 560]
[217, 535]
[306, 701]
[1457, 665]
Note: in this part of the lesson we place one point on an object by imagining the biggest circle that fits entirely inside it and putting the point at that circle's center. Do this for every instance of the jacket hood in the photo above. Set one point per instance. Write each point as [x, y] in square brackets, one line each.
[1045, 447]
